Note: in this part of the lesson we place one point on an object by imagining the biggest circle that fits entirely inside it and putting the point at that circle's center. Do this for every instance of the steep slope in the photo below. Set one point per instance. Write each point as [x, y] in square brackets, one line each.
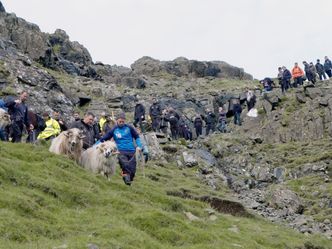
[48, 201]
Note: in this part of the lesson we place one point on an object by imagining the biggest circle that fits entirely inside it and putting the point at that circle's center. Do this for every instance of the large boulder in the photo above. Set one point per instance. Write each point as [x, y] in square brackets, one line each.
[286, 199]
[146, 65]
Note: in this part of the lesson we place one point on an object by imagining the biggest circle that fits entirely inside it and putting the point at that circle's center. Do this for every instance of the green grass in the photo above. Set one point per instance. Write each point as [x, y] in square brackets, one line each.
[48, 201]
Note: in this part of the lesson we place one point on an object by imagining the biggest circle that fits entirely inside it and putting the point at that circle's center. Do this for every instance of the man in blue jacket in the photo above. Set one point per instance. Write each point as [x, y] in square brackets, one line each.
[124, 136]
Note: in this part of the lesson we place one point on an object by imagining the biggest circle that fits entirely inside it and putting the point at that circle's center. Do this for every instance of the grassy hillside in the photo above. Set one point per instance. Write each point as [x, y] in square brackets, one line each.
[47, 201]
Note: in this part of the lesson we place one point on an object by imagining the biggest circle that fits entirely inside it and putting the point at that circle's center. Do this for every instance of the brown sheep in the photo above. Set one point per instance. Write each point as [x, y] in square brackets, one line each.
[101, 158]
[68, 143]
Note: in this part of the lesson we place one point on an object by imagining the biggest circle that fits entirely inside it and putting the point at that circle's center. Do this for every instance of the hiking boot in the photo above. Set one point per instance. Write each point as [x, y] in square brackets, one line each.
[126, 179]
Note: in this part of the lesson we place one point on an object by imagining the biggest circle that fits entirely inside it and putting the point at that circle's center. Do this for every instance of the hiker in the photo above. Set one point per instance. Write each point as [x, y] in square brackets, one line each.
[320, 70]
[102, 121]
[308, 72]
[173, 119]
[279, 76]
[155, 114]
[86, 126]
[124, 136]
[313, 71]
[222, 122]
[286, 77]
[251, 99]
[267, 84]
[139, 115]
[164, 122]
[62, 123]
[108, 125]
[52, 128]
[328, 66]
[237, 109]
[297, 74]
[198, 124]
[210, 121]
[19, 115]
[38, 124]
[184, 129]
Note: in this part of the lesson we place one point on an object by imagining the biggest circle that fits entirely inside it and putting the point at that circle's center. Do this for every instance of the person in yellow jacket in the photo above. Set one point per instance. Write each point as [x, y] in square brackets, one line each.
[102, 121]
[52, 128]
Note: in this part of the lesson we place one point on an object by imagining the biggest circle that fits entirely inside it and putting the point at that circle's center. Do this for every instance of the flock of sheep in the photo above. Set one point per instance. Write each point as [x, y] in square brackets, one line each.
[99, 159]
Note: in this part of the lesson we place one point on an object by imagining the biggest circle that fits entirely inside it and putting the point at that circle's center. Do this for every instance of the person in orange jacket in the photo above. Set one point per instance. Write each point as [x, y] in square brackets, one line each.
[297, 75]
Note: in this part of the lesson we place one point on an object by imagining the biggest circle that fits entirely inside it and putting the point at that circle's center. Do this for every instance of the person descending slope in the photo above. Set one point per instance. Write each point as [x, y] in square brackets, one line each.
[124, 136]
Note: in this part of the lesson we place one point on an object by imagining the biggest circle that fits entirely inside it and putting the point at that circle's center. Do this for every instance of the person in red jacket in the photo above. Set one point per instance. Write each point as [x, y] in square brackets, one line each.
[297, 75]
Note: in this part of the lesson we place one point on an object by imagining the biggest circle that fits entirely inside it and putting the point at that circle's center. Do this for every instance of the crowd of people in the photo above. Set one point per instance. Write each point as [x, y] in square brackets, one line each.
[163, 119]
[294, 78]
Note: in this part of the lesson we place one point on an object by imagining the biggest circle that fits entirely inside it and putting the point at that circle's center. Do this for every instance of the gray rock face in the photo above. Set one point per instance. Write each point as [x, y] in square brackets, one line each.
[27, 36]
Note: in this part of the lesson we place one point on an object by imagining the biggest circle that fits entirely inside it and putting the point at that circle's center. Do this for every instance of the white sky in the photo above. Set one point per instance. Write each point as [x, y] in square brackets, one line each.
[258, 35]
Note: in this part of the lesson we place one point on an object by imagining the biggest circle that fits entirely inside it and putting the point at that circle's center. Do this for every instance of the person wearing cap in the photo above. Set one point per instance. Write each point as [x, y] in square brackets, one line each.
[128, 142]
[52, 128]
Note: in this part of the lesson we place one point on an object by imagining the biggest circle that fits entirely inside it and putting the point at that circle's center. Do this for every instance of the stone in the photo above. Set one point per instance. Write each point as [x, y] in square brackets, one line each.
[300, 97]
[92, 246]
[234, 229]
[286, 199]
[313, 92]
[279, 174]
[189, 159]
[191, 217]
[213, 217]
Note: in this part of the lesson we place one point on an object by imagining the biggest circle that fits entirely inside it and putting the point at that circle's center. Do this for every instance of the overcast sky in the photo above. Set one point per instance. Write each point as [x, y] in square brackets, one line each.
[257, 35]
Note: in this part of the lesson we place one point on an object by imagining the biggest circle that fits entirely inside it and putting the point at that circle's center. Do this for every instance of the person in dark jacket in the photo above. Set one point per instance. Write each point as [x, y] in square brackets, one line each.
[139, 115]
[173, 118]
[328, 66]
[155, 114]
[237, 109]
[86, 125]
[286, 78]
[309, 73]
[320, 70]
[198, 124]
[19, 115]
[267, 84]
[124, 136]
[210, 121]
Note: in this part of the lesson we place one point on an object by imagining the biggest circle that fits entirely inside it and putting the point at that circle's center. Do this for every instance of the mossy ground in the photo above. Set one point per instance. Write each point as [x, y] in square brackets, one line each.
[47, 201]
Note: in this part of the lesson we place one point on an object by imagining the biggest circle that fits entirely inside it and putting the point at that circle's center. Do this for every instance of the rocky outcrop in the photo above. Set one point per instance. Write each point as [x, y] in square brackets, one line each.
[2, 9]
[26, 36]
[303, 116]
[182, 67]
